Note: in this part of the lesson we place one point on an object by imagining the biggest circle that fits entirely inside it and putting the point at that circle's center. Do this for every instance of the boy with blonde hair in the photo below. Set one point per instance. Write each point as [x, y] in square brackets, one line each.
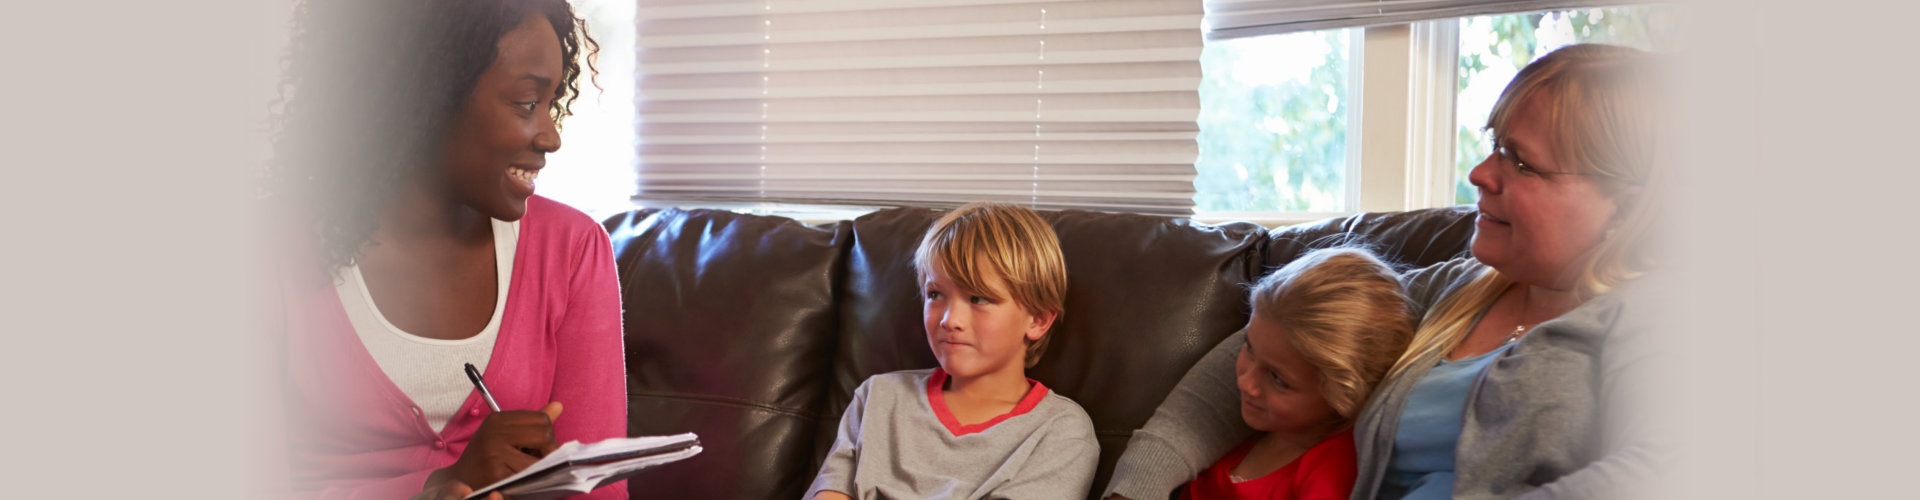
[992, 283]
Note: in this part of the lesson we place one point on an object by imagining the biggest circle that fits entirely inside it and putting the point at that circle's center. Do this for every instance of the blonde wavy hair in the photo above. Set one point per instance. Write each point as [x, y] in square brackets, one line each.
[1008, 240]
[1346, 313]
[1602, 108]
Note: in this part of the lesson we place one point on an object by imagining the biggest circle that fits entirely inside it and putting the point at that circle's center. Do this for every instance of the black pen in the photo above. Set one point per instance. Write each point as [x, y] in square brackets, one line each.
[474, 375]
[481, 384]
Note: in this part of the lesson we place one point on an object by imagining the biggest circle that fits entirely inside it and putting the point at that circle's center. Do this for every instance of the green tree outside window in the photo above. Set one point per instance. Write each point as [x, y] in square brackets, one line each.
[1494, 48]
[1273, 123]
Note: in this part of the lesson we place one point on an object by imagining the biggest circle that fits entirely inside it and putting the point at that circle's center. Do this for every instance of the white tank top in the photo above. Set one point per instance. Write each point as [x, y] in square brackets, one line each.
[429, 371]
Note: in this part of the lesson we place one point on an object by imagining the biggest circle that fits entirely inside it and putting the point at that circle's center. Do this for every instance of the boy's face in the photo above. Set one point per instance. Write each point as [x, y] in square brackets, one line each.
[977, 332]
[1279, 390]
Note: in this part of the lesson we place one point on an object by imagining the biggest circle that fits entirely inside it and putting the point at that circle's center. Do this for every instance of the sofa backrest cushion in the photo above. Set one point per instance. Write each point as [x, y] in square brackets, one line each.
[753, 331]
[730, 331]
[1406, 240]
[1147, 297]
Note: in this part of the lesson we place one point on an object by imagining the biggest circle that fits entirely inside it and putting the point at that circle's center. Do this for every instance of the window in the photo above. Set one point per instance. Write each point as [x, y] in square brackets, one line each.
[1494, 48]
[1046, 103]
[1301, 114]
[1274, 126]
[595, 161]
[1433, 81]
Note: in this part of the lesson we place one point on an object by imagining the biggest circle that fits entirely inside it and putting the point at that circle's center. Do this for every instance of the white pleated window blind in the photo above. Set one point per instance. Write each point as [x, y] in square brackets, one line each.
[1054, 104]
[1240, 18]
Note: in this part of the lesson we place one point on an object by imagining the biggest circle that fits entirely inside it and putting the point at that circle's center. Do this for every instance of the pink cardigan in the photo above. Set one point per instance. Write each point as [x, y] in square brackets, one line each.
[355, 435]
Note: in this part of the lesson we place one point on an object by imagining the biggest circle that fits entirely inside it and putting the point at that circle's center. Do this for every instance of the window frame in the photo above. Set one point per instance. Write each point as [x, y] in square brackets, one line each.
[1402, 124]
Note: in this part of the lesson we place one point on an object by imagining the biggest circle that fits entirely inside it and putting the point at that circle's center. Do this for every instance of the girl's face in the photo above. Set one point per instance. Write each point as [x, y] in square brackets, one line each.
[501, 136]
[1279, 390]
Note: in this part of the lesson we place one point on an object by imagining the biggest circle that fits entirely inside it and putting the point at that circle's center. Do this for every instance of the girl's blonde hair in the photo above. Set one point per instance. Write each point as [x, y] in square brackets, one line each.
[1009, 240]
[1602, 108]
[1346, 313]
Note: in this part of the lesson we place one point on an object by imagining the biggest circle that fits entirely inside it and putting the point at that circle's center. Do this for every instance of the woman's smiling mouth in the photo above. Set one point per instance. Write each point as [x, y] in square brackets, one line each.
[1484, 216]
[523, 178]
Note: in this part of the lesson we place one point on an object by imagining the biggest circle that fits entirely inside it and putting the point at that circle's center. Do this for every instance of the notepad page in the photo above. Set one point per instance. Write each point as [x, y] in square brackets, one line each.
[573, 451]
[618, 446]
[586, 478]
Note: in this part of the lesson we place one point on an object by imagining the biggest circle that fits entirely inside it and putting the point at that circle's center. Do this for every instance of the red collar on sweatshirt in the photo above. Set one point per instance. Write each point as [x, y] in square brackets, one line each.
[937, 399]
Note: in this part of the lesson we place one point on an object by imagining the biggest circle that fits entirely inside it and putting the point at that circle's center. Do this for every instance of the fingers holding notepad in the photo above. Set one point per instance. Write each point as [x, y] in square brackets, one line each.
[505, 443]
[452, 490]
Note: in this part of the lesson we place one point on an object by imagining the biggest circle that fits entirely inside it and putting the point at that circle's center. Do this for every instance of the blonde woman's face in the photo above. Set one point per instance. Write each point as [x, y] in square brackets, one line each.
[1279, 390]
[1538, 219]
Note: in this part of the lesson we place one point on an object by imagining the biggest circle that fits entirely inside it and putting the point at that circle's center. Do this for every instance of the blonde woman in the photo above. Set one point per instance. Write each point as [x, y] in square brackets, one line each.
[1522, 348]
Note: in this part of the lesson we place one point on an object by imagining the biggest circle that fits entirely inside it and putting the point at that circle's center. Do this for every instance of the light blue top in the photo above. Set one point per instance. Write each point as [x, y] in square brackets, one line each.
[1421, 466]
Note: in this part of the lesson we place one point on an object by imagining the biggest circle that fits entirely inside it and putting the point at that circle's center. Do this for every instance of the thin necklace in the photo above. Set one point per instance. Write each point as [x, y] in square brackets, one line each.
[1525, 300]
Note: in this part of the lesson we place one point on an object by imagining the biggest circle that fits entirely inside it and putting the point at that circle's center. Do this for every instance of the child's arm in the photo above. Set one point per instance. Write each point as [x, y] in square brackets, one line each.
[1197, 424]
[836, 472]
[1062, 463]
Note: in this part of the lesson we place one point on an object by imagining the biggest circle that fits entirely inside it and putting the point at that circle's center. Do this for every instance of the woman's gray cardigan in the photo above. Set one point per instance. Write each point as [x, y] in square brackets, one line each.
[1563, 414]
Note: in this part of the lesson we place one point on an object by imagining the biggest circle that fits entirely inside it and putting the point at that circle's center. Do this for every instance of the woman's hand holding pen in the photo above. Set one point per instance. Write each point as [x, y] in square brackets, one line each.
[506, 442]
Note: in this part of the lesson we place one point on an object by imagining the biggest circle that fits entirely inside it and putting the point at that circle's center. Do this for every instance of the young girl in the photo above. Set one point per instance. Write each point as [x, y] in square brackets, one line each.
[1325, 329]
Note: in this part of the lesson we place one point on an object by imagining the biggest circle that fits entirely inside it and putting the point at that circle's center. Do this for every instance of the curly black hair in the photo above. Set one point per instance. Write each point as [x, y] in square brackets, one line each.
[368, 93]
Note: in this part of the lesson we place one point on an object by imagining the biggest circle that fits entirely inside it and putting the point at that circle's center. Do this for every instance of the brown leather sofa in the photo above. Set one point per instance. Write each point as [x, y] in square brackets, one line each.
[753, 331]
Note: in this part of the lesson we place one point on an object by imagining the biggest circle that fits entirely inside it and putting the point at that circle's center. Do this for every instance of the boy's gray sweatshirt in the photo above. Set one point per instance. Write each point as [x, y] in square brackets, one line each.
[894, 443]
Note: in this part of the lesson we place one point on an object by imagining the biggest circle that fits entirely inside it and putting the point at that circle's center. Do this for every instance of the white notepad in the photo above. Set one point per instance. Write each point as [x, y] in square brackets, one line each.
[576, 468]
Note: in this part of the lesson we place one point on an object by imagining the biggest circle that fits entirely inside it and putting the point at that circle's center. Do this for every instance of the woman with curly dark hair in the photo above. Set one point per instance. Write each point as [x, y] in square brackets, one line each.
[408, 142]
